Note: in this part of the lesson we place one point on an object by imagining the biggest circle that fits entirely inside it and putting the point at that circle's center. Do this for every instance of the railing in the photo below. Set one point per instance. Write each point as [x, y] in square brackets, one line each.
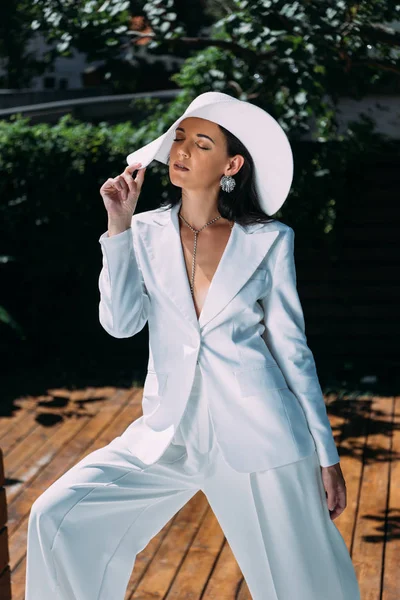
[115, 106]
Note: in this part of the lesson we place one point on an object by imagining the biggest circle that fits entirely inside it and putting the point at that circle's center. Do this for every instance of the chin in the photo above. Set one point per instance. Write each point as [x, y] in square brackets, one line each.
[176, 178]
[176, 184]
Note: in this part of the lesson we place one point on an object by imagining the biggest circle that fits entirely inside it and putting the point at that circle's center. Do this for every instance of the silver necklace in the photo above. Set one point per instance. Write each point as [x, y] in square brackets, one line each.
[196, 232]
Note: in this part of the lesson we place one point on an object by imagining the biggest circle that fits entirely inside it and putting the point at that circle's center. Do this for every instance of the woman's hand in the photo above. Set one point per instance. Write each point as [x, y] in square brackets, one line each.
[120, 195]
[335, 488]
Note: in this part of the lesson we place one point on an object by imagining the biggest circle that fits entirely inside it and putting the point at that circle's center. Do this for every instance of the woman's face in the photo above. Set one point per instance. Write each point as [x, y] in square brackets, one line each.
[200, 146]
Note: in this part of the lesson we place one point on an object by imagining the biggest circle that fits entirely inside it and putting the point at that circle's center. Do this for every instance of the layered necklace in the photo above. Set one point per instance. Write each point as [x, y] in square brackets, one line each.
[196, 232]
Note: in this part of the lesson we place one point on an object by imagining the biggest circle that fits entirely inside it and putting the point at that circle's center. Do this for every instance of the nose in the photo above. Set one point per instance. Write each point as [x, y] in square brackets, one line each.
[182, 151]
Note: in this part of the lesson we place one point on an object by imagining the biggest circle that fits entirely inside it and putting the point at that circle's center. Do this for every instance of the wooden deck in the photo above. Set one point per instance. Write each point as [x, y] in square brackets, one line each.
[190, 558]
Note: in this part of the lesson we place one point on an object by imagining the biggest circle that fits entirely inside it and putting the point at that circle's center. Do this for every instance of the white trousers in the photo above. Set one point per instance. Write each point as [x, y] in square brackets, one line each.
[86, 529]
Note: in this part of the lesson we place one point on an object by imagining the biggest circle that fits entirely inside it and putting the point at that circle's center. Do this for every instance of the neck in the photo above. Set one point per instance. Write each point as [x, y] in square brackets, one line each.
[198, 214]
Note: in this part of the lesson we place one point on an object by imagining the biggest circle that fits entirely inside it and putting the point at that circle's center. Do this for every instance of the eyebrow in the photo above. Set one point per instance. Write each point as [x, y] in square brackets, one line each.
[198, 134]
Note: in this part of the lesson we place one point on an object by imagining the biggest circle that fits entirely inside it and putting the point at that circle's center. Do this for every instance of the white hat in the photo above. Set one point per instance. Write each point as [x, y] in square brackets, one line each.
[260, 133]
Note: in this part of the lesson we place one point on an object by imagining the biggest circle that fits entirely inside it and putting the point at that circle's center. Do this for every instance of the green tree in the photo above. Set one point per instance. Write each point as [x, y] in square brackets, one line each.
[20, 64]
[295, 58]
[97, 28]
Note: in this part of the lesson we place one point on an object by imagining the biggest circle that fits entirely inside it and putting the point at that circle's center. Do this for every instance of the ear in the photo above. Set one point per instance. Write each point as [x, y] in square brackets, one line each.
[235, 164]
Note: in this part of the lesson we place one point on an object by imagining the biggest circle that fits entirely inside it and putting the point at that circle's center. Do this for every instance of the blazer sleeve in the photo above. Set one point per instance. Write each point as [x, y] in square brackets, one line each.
[124, 301]
[285, 337]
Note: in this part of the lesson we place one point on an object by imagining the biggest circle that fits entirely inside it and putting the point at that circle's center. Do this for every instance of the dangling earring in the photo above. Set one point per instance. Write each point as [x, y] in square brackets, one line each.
[227, 183]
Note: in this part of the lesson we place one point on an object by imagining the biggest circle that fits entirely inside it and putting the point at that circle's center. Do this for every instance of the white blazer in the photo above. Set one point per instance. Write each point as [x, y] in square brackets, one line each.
[265, 399]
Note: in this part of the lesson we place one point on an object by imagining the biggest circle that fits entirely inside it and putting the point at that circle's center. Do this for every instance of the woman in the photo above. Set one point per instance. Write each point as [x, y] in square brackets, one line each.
[231, 402]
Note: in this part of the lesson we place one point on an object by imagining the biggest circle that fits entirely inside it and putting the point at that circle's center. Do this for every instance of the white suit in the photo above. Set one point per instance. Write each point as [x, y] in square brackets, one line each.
[249, 340]
[231, 406]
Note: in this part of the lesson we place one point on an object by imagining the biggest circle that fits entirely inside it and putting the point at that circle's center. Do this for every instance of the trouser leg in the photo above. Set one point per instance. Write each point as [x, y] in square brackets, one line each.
[278, 526]
[86, 529]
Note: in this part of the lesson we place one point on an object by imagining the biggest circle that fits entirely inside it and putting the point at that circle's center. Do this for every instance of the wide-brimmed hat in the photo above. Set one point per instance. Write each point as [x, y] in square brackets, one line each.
[260, 133]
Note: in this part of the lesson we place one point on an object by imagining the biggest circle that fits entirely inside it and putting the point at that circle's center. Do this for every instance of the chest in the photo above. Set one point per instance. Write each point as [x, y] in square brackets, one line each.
[202, 263]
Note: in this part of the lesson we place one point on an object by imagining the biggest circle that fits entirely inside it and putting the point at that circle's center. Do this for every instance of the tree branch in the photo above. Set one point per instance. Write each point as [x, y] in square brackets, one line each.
[380, 33]
[203, 42]
[247, 54]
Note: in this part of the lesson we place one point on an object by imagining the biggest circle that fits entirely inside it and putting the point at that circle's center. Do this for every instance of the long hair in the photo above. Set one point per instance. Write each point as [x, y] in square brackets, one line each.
[242, 204]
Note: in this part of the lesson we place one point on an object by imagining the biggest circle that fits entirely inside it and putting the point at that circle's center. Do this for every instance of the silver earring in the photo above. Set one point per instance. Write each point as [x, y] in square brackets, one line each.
[227, 183]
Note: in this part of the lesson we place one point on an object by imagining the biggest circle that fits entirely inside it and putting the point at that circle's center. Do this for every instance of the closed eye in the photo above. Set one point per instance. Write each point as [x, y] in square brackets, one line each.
[176, 140]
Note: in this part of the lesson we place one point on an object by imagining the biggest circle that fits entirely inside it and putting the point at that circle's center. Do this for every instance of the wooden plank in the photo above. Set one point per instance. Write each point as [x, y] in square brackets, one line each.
[56, 439]
[369, 538]
[391, 586]
[162, 569]
[32, 444]
[110, 422]
[227, 575]
[352, 443]
[59, 453]
[34, 409]
[15, 420]
[205, 568]
[62, 451]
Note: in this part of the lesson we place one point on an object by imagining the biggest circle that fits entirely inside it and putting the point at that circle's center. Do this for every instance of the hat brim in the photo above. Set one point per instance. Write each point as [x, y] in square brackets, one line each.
[260, 133]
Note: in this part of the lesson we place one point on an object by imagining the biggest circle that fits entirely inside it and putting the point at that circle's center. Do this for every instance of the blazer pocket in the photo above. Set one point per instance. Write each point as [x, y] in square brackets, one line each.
[253, 380]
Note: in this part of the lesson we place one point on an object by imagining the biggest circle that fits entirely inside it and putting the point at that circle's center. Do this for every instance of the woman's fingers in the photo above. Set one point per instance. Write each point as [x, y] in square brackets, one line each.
[131, 186]
[140, 177]
[123, 186]
[124, 183]
[133, 167]
[134, 185]
[117, 184]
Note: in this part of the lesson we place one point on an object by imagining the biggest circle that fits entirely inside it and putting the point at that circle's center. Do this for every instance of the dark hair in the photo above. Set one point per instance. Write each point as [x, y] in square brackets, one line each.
[242, 204]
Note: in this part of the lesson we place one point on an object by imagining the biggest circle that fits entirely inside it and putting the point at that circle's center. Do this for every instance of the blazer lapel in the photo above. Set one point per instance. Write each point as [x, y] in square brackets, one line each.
[242, 255]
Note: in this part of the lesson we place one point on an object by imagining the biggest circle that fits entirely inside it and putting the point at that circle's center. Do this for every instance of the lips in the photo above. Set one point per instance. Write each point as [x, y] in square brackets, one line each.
[180, 166]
